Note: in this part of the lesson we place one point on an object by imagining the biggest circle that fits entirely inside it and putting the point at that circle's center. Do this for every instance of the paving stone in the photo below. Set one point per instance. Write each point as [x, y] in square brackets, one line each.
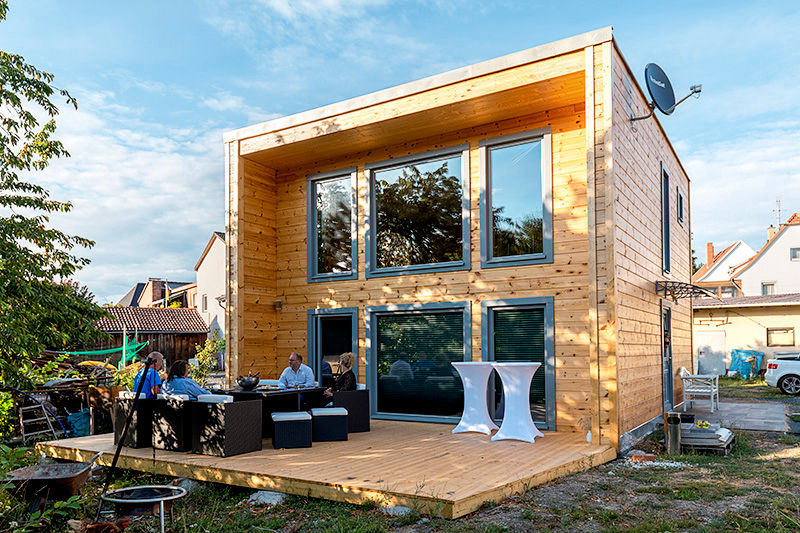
[396, 510]
[266, 497]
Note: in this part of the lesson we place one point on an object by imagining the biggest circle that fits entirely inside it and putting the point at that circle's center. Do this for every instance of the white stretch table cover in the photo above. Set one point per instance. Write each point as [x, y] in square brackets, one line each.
[517, 422]
[475, 417]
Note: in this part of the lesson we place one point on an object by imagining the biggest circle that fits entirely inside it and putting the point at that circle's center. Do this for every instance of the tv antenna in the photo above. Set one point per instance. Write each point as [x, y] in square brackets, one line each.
[661, 93]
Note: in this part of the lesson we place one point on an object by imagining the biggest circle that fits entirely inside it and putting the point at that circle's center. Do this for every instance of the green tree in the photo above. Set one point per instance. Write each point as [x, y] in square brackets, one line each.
[39, 309]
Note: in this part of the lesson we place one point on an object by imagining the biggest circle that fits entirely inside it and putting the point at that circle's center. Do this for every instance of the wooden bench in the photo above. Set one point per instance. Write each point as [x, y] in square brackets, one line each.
[700, 387]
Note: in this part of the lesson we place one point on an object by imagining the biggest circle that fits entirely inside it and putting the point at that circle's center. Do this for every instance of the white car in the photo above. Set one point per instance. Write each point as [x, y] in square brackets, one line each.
[784, 372]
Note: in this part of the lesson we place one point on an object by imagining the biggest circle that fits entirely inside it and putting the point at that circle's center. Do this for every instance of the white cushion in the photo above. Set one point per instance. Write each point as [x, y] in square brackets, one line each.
[361, 386]
[214, 398]
[329, 411]
[269, 382]
[162, 396]
[285, 417]
[127, 394]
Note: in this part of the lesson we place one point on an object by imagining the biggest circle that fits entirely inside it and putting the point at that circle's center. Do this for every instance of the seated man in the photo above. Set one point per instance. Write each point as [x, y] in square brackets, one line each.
[152, 381]
[296, 374]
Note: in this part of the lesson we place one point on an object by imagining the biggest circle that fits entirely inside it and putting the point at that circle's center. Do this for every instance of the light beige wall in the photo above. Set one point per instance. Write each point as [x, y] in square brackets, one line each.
[746, 327]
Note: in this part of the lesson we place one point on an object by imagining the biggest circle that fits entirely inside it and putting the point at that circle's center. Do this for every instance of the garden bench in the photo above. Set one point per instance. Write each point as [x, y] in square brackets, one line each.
[699, 387]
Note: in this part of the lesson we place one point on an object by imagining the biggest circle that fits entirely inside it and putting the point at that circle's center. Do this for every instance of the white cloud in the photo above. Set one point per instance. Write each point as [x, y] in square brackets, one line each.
[735, 184]
[148, 195]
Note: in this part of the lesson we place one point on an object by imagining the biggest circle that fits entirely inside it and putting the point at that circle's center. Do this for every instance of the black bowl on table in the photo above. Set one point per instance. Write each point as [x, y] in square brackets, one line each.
[247, 382]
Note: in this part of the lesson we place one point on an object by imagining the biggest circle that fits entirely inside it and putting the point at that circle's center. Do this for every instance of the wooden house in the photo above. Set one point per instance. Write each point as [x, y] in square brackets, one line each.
[508, 210]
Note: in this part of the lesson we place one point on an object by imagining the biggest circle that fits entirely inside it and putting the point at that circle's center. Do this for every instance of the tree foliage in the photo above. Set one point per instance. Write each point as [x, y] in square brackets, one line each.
[419, 217]
[39, 308]
[334, 239]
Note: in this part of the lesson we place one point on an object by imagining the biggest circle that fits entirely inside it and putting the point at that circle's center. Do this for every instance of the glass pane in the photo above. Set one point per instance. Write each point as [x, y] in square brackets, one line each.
[780, 337]
[413, 357]
[418, 211]
[794, 253]
[767, 289]
[334, 244]
[516, 176]
[519, 337]
[335, 338]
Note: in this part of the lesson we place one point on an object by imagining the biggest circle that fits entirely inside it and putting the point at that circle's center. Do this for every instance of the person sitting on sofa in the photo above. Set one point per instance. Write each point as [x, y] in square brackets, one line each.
[347, 379]
[296, 375]
[178, 381]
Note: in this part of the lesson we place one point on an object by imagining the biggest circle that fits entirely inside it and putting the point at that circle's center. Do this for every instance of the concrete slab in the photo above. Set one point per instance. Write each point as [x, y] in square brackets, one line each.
[742, 415]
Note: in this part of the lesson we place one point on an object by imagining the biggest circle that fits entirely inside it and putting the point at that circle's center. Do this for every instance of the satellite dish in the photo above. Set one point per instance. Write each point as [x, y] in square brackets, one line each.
[660, 88]
[661, 93]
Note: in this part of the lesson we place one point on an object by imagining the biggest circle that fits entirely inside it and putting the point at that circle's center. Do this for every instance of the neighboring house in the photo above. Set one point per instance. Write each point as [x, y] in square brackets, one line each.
[506, 211]
[154, 291]
[173, 332]
[775, 269]
[715, 275]
[210, 270]
[768, 324]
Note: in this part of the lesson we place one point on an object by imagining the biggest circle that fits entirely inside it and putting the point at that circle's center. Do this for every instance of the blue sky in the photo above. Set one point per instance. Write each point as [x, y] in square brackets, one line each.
[159, 82]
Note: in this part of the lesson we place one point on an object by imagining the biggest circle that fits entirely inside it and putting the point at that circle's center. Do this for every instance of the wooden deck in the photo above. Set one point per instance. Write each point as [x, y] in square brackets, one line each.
[419, 465]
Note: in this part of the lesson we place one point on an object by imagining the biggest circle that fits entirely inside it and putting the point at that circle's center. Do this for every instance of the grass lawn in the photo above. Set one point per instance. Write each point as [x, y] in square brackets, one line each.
[749, 389]
[753, 489]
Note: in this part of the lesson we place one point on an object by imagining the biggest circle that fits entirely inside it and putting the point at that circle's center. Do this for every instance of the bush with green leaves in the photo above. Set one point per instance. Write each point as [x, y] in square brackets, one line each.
[206, 357]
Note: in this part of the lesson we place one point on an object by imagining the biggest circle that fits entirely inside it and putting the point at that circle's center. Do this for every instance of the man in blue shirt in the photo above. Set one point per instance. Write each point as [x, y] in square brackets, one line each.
[297, 374]
[152, 381]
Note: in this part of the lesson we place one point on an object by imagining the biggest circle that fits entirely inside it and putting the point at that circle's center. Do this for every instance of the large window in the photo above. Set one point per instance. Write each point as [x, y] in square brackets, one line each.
[332, 226]
[419, 213]
[516, 199]
[780, 336]
[331, 332]
[410, 351]
[665, 218]
[521, 330]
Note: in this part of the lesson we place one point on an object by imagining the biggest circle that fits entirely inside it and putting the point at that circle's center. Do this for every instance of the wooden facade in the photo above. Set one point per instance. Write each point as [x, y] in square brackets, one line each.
[606, 223]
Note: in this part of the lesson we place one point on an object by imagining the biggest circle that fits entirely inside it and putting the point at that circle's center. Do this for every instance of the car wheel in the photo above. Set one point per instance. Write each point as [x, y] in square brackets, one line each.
[790, 385]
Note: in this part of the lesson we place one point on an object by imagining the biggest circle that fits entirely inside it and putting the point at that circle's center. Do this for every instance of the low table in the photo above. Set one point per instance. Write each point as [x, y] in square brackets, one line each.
[517, 421]
[475, 417]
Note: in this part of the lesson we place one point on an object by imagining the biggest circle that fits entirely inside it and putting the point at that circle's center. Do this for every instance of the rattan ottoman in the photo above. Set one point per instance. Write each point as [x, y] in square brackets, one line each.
[224, 429]
[329, 423]
[292, 430]
[140, 431]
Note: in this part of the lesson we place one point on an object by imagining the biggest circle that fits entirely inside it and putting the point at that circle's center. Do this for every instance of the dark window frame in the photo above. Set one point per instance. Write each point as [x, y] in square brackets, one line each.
[680, 205]
[372, 313]
[313, 316]
[487, 347]
[372, 271]
[792, 253]
[665, 226]
[487, 245]
[771, 330]
[311, 226]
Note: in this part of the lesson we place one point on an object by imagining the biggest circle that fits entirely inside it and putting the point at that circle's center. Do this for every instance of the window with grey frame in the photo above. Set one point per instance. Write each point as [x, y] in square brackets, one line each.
[679, 195]
[419, 213]
[332, 226]
[516, 199]
[521, 330]
[794, 254]
[665, 229]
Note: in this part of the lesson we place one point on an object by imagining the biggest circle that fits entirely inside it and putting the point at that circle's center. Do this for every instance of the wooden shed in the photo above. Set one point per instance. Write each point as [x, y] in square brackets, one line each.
[508, 210]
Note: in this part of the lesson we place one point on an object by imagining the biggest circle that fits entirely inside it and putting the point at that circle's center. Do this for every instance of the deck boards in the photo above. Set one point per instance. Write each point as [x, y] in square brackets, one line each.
[402, 463]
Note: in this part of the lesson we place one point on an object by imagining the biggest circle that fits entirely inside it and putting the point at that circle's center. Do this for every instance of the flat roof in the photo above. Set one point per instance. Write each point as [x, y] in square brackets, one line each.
[505, 62]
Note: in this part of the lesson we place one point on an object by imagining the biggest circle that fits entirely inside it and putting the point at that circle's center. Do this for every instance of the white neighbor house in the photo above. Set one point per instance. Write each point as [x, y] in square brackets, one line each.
[210, 270]
[715, 275]
[775, 269]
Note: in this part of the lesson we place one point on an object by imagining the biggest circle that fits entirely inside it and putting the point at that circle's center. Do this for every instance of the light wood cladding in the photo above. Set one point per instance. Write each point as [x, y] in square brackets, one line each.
[639, 150]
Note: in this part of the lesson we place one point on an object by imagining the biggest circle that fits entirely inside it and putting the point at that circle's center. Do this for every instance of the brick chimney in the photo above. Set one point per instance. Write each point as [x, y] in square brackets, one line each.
[709, 252]
[770, 232]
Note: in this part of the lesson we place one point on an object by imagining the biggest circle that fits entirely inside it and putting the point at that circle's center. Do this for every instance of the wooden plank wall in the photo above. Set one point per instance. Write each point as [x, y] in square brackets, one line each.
[638, 151]
[173, 345]
[565, 279]
[603, 226]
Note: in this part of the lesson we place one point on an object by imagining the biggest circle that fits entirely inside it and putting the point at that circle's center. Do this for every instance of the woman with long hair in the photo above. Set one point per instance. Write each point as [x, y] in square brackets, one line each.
[178, 381]
[347, 379]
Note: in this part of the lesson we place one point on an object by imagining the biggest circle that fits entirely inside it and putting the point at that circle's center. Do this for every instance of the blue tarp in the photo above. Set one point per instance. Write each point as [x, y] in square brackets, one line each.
[78, 423]
[746, 362]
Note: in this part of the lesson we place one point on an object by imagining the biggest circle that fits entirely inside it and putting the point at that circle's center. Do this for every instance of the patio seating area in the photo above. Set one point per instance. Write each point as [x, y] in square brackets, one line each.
[420, 465]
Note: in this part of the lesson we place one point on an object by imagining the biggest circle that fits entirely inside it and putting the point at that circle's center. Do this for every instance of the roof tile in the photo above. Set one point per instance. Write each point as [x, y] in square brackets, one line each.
[153, 320]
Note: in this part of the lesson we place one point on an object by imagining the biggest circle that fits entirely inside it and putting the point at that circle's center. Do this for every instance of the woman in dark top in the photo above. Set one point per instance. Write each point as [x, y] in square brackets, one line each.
[346, 379]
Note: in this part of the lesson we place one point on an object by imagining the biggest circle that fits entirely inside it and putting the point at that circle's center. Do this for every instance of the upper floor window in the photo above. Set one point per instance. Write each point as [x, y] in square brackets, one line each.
[767, 288]
[332, 226]
[727, 292]
[680, 204]
[794, 254]
[516, 199]
[780, 336]
[205, 303]
[665, 263]
[419, 213]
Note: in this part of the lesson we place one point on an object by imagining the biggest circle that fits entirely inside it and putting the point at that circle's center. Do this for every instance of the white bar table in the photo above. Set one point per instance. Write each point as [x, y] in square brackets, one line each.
[475, 377]
[517, 421]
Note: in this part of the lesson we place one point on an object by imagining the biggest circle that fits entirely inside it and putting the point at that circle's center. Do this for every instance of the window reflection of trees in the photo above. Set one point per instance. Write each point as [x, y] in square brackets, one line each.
[334, 239]
[418, 216]
[515, 237]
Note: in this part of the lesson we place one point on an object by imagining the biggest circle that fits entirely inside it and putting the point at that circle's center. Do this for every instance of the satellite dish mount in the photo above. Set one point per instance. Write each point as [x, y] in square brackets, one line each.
[661, 93]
